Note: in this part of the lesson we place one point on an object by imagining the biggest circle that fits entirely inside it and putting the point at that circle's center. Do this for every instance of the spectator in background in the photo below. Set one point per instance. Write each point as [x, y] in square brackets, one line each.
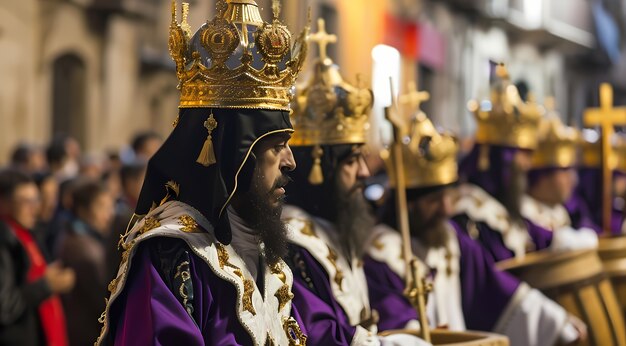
[131, 176]
[63, 155]
[49, 196]
[28, 158]
[82, 249]
[30, 311]
[145, 144]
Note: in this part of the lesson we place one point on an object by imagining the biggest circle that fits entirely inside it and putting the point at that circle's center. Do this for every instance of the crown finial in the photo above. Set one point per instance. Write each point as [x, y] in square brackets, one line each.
[414, 98]
[173, 11]
[322, 38]
[276, 9]
[184, 24]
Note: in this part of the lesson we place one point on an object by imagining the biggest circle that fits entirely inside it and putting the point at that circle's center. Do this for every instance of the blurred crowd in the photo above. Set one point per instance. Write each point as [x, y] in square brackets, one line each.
[61, 216]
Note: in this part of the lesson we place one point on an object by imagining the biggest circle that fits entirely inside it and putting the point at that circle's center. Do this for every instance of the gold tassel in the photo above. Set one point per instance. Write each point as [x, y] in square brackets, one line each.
[316, 177]
[207, 155]
[483, 158]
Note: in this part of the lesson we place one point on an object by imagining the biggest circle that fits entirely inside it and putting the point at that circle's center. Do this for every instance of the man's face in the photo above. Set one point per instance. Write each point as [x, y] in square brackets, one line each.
[352, 171]
[149, 148]
[100, 213]
[353, 217]
[25, 204]
[428, 215]
[563, 182]
[261, 205]
[273, 159]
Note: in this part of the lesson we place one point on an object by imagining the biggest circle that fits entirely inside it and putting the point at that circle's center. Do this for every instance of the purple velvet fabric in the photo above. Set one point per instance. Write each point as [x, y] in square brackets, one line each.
[580, 214]
[386, 291]
[494, 243]
[589, 193]
[322, 315]
[485, 291]
[497, 176]
[147, 313]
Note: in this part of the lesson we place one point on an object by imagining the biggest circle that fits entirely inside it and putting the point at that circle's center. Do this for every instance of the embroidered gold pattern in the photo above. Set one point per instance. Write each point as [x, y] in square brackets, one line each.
[189, 225]
[150, 223]
[248, 290]
[294, 333]
[378, 245]
[278, 271]
[185, 276]
[332, 257]
[283, 295]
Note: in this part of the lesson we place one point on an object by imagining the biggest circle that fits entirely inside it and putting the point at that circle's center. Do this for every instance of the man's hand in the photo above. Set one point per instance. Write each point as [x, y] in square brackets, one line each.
[59, 279]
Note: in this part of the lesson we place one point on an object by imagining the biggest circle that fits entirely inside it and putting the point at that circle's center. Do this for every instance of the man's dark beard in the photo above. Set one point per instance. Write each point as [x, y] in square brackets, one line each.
[431, 233]
[257, 210]
[353, 218]
[511, 195]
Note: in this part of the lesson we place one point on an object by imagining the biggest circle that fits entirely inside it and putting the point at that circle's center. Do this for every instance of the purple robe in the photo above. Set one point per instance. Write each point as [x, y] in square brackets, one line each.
[322, 315]
[485, 291]
[493, 241]
[589, 192]
[580, 214]
[148, 313]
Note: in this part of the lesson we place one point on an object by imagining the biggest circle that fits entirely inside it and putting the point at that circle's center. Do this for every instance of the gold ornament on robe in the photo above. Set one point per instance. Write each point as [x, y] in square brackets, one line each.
[557, 143]
[504, 119]
[429, 156]
[236, 60]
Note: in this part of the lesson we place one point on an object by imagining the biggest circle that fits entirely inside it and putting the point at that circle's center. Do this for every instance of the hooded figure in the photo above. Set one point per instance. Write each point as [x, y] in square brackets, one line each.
[328, 217]
[588, 193]
[552, 180]
[494, 174]
[201, 261]
[468, 290]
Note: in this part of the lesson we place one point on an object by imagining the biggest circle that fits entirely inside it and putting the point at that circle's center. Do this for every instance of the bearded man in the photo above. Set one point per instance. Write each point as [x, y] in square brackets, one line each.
[552, 180]
[468, 291]
[494, 175]
[203, 263]
[328, 216]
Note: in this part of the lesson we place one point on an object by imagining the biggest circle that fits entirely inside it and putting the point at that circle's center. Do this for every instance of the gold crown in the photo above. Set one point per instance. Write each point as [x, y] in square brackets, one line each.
[506, 120]
[558, 144]
[328, 110]
[428, 156]
[236, 60]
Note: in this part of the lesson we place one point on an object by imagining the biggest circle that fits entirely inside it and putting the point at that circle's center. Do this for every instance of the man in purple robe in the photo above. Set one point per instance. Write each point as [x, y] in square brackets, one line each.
[202, 265]
[587, 197]
[494, 174]
[468, 291]
[328, 217]
[552, 179]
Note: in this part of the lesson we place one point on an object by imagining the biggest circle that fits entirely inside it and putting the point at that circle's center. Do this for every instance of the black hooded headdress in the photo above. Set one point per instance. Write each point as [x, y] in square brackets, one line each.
[236, 78]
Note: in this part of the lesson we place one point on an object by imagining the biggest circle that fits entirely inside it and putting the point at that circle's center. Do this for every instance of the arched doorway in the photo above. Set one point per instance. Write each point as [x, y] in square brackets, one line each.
[69, 97]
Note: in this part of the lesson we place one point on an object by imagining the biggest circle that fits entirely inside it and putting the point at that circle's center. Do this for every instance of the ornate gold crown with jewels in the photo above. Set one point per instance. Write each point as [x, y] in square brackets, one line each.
[429, 156]
[558, 144]
[328, 110]
[236, 60]
[506, 120]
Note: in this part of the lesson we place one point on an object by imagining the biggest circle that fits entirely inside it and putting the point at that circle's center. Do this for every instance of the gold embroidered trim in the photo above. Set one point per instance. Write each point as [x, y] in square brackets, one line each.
[248, 290]
[284, 296]
[332, 257]
[277, 270]
[294, 333]
[185, 275]
[189, 225]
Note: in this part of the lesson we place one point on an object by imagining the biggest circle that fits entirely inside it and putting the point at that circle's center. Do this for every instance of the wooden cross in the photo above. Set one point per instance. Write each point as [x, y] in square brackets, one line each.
[414, 98]
[606, 117]
[322, 38]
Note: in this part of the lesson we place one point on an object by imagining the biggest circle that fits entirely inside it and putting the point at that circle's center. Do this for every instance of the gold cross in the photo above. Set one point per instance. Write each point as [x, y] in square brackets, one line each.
[322, 38]
[414, 98]
[606, 117]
